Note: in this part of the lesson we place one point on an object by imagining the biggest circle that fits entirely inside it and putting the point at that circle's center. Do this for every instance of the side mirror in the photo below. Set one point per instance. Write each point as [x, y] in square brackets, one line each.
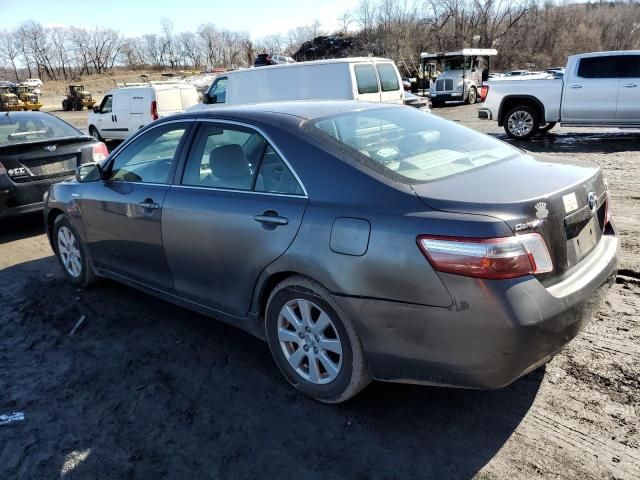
[485, 75]
[89, 172]
[96, 109]
[209, 99]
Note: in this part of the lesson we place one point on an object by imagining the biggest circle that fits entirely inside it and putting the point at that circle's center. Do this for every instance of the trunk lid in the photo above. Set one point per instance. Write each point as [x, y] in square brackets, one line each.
[45, 160]
[562, 200]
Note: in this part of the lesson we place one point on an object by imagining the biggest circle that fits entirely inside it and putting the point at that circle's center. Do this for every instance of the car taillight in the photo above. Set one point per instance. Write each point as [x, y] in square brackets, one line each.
[495, 258]
[154, 110]
[100, 152]
[484, 91]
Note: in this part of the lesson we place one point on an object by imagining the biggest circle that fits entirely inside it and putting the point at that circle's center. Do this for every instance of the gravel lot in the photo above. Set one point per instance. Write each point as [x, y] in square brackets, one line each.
[145, 389]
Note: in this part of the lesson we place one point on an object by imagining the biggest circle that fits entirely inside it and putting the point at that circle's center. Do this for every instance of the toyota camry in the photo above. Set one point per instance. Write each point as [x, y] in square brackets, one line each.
[361, 241]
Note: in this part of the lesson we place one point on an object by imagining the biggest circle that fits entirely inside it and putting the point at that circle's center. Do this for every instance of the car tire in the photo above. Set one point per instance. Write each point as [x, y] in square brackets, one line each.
[65, 105]
[546, 127]
[521, 122]
[93, 131]
[72, 253]
[472, 96]
[298, 340]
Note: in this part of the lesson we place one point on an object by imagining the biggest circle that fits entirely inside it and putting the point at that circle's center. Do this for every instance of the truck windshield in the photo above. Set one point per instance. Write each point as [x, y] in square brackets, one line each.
[408, 145]
[456, 64]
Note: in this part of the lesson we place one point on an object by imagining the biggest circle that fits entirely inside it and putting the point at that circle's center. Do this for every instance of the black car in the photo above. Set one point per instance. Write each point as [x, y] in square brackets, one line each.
[264, 59]
[36, 150]
[360, 240]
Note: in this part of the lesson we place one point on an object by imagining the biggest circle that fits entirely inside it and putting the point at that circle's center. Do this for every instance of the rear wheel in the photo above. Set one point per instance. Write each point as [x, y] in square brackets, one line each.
[66, 106]
[72, 253]
[313, 341]
[521, 122]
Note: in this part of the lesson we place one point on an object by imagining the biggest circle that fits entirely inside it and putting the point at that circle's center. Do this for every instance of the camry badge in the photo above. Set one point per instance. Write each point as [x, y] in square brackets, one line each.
[49, 148]
[592, 201]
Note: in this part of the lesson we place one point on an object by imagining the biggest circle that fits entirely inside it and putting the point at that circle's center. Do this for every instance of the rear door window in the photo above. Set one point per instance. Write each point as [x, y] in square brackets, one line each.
[366, 79]
[388, 77]
[631, 66]
[600, 67]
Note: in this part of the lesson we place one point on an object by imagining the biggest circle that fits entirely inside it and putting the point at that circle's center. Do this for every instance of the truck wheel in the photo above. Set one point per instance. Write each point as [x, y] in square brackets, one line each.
[521, 122]
[472, 96]
[546, 127]
[65, 105]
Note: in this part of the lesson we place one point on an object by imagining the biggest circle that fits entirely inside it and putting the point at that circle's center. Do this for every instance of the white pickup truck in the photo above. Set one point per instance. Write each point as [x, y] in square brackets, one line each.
[598, 89]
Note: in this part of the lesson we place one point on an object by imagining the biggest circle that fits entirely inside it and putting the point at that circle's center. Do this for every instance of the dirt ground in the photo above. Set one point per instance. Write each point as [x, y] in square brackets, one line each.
[144, 389]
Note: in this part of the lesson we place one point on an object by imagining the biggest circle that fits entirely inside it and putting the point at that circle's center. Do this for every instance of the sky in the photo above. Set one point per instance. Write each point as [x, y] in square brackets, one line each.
[137, 17]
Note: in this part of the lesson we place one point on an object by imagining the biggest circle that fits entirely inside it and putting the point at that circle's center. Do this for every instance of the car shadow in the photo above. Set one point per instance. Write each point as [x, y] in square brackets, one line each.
[21, 226]
[146, 388]
[580, 142]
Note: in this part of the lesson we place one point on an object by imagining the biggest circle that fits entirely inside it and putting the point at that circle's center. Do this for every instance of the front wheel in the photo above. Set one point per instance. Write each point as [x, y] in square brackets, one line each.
[521, 122]
[93, 131]
[472, 96]
[313, 341]
[72, 253]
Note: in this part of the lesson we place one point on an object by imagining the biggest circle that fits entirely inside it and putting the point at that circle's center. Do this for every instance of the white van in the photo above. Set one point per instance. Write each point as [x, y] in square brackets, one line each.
[369, 79]
[127, 109]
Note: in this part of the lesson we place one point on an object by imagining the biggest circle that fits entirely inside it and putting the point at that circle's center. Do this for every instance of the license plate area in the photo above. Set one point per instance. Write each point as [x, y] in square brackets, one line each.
[586, 239]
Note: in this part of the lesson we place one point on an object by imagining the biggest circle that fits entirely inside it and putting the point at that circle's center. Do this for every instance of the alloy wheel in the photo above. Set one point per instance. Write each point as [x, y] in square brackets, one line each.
[520, 123]
[69, 252]
[310, 341]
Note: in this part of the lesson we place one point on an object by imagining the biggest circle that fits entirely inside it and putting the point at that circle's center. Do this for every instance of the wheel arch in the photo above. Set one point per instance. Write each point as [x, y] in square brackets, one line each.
[51, 219]
[511, 101]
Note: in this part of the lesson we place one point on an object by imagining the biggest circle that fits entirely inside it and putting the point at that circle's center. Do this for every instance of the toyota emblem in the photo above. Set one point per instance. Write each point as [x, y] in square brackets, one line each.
[592, 201]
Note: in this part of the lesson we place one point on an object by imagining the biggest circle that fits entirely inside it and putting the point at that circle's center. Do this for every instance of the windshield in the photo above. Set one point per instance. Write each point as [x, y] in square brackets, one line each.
[456, 64]
[26, 127]
[412, 146]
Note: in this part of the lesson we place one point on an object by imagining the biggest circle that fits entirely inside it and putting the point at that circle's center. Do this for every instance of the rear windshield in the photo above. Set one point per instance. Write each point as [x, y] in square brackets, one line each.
[408, 145]
[26, 127]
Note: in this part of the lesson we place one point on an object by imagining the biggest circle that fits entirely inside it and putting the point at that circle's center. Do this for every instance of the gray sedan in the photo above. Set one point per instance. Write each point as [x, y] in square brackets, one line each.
[361, 241]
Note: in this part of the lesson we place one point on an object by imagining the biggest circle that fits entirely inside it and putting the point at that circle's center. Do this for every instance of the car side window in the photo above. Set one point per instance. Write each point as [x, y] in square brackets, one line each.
[388, 78]
[631, 66]
[223, 157]
[600, 67]
[366, 79]
[219, 89]
[275, 177]
[106, 105]
[150, 157]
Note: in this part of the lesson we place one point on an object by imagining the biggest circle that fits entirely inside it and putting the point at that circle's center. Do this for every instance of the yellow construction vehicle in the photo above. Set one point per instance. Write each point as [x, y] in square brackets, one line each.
[28, 98]
[9, 102]
[77, 99]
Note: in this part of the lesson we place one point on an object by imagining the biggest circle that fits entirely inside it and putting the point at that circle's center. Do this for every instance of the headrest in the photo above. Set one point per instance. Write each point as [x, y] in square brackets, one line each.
[229, 161]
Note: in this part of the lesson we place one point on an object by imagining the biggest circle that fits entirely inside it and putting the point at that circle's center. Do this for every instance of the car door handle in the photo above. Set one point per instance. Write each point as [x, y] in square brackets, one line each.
[576, 86]
[271, 219]
[630, 85]
[149, 203]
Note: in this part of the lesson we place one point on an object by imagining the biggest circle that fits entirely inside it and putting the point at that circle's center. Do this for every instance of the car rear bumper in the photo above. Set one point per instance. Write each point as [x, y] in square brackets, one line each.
[495, 331]
[21, 198]
[484, 114]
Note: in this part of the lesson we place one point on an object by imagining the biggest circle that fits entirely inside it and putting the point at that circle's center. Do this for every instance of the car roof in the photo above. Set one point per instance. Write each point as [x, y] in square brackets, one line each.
[304, 109]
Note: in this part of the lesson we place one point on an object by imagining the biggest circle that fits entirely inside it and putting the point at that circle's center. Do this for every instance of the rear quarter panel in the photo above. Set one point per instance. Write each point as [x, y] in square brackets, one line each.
[547, 91]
